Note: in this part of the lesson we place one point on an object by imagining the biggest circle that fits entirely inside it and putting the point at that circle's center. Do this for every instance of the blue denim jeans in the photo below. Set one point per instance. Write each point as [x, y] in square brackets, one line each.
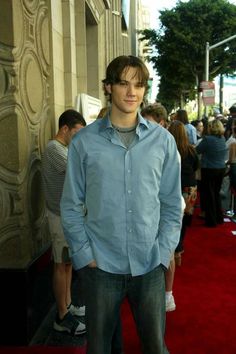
[104, 294]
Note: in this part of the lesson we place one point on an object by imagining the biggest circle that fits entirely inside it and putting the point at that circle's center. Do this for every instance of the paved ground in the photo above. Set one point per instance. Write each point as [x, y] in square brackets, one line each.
[46, 335]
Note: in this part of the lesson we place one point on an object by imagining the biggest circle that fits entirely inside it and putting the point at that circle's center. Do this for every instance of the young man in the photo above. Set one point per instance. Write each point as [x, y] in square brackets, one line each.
[53, 168]
[156, 112]
[121, 211]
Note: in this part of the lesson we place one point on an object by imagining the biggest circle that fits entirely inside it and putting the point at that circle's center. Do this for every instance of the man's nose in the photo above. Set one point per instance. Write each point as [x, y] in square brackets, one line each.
[131, 89]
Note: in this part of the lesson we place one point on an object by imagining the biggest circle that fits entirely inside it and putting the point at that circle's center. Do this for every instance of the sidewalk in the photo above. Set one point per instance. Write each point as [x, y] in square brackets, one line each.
[46, 335]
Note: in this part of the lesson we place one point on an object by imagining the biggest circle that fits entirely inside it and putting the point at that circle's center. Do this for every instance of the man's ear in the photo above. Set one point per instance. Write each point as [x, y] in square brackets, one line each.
[108, 88]
[65, 128]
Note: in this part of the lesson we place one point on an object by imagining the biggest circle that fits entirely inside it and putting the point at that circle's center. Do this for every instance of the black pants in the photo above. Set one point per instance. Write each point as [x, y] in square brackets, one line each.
[187, 219]
[211, 184]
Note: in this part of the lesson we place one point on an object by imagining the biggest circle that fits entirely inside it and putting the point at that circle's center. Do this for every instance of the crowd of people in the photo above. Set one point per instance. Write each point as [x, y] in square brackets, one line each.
[120, 196]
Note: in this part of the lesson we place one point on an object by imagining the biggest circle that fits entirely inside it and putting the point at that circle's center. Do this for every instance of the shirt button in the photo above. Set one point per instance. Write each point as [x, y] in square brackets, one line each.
[129, 191]
[130, 230]
[130, 211]
[129, 171]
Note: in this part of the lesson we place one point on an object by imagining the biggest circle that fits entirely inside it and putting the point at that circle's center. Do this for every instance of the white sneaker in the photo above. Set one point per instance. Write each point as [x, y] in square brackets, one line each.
[69, 324]
[76, 310]
[170, 304]
[229, 213]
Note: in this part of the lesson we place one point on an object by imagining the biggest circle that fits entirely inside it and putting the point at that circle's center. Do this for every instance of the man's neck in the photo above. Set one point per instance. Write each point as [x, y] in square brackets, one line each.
[124, 120]
[60, 139]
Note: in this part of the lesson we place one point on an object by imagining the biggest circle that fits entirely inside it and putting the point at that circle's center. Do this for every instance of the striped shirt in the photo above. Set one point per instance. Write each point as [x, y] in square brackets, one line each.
[54, 163]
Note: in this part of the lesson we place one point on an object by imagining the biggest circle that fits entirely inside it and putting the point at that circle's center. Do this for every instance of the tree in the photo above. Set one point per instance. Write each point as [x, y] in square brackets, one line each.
[178, 54]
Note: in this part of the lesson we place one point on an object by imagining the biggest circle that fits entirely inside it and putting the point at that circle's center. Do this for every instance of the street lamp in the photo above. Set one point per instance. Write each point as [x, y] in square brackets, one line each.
[208, 48]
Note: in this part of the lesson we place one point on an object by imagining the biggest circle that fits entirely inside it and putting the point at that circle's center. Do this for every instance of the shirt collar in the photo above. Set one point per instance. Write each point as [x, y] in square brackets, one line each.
[142, 122]
[106, 124]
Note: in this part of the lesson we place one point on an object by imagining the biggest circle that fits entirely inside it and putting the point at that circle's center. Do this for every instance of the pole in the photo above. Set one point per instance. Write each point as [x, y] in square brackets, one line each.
[222, 42]
[221, 92]
[208, 48]
[207, 61]
[207, 73]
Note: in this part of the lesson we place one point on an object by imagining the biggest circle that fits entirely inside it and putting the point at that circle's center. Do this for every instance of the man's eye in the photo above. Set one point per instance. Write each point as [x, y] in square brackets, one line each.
[123, 83]
[139, 84]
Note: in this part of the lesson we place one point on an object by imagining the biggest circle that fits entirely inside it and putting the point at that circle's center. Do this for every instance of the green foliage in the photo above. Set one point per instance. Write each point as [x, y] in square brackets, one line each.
[192, 116]
[179, 46]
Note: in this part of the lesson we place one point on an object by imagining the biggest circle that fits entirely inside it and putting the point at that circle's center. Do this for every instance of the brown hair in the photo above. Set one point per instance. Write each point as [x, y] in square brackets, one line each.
[121, 64]
[103, 112]
[157, 111]
[182, 116]
[178, 131]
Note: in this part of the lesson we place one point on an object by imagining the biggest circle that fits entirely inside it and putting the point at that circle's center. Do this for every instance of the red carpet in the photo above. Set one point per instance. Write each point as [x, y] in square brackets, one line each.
[42, 350]
[205, 294]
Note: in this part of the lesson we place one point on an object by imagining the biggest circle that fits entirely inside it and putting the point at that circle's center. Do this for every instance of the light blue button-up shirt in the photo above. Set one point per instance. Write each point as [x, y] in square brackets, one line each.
[122, 206]
[191, 133]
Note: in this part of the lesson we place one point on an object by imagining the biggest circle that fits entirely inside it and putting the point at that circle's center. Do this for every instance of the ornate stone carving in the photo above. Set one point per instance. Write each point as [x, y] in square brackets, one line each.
[35, 193]
[36, 207]
[24, 107]
[46, 130]
[14, 139]
[3, 81]
[4, 204]
[31, 5]
[31, 86]
[42, 39]
[20, 29]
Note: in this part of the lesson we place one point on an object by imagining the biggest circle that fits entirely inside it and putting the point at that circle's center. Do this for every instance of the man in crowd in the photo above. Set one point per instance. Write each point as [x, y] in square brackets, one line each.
[231, 119]
[156, 113]
[54, 167]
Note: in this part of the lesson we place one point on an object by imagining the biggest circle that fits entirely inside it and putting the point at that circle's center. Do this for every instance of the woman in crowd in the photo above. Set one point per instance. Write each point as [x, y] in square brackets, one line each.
[158, 114]
[189, 165]
[182, 116]
[213, 150]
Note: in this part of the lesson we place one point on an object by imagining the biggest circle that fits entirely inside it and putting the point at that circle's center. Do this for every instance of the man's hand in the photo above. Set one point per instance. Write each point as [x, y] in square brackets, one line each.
[92, 264]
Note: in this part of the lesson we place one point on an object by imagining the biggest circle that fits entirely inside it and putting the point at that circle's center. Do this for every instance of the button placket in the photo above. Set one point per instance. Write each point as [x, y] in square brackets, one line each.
[128, 193]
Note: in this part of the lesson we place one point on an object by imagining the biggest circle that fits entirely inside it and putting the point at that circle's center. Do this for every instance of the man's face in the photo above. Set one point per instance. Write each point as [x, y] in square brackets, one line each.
[200, 127]
[127, 95]
[72, 131]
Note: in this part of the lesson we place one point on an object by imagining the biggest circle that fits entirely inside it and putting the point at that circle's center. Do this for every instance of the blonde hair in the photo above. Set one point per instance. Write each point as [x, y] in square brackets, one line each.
[215, 127]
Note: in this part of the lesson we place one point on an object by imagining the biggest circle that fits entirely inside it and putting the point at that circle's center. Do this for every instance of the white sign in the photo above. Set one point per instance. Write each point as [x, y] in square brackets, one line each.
[88, 106]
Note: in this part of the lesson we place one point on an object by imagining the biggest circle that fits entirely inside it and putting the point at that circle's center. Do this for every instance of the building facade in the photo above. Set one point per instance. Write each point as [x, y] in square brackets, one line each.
[51, 51]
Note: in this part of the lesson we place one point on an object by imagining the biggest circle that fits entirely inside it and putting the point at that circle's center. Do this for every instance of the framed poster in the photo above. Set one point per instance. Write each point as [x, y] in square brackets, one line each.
[88, 106]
